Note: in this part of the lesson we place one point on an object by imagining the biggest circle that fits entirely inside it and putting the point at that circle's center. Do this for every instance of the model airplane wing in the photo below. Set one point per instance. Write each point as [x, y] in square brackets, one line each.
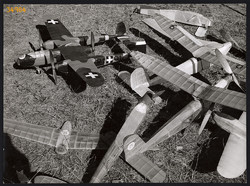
[140, 162]
[198, 48]
[57, 29]
[49, 136]
[191, 84]
[59, 33]
[82, 65]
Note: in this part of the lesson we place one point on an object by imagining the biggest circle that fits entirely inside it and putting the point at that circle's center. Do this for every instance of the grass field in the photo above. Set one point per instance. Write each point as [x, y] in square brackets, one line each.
[35, 99]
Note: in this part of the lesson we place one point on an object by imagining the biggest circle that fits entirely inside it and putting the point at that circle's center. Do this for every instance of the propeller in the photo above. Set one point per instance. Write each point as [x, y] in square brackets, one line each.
[205, 120]
[93, 41]
[222, 83]
[51, 59]
[32, 47]
[228, 37]
[226, 67]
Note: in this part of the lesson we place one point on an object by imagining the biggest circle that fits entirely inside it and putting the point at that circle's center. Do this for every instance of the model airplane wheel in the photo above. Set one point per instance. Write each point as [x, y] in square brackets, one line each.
[38, 71]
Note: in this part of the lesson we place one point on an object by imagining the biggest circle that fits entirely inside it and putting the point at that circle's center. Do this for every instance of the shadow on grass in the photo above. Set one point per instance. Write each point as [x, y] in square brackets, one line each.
[162, 50]
[113, 122]
[14, 161]
[176, 101]
[44, 33]
[208, 158]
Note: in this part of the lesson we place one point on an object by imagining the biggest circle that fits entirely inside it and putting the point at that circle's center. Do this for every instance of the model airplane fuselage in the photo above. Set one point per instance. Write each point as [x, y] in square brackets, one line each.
[39, 58]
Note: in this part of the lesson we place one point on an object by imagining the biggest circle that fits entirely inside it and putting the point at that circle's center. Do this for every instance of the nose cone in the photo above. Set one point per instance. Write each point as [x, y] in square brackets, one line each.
[18, 61]
[25, 61]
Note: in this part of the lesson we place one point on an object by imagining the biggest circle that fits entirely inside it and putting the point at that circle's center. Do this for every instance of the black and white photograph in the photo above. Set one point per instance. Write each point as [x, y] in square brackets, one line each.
[124, 93]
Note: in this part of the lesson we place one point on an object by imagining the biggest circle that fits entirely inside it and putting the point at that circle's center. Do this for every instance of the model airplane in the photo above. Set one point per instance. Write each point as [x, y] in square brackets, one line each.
[123, 142]
[186, 17]
[62, 139]
[201, 90]
[69, 56]
[201, 49]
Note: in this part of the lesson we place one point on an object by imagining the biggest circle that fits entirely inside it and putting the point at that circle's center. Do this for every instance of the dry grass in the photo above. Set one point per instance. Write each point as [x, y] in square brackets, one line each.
[35, 99]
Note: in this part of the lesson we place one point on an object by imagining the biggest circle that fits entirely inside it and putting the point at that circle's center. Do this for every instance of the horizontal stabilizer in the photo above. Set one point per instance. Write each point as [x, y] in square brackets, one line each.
[147, 168]
[140, 162]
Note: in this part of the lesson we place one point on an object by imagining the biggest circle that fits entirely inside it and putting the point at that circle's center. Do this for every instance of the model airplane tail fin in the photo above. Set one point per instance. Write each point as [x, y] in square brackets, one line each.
[225, 48]
[139, 82]
[140, 162]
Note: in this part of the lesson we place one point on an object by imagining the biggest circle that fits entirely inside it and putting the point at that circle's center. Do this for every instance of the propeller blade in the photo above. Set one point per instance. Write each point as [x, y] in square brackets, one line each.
[32, 46]
[223, 61]
[51, 58]
[226, 67]
[237, 82]
[92, 41]
[228, 37]
[204, 121]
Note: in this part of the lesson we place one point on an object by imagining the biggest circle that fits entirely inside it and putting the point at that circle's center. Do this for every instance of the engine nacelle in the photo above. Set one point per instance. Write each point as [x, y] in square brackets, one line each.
[48, 45]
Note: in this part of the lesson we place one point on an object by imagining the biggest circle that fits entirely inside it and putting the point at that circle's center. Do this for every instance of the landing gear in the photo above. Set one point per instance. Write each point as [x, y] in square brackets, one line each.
[38, 71]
